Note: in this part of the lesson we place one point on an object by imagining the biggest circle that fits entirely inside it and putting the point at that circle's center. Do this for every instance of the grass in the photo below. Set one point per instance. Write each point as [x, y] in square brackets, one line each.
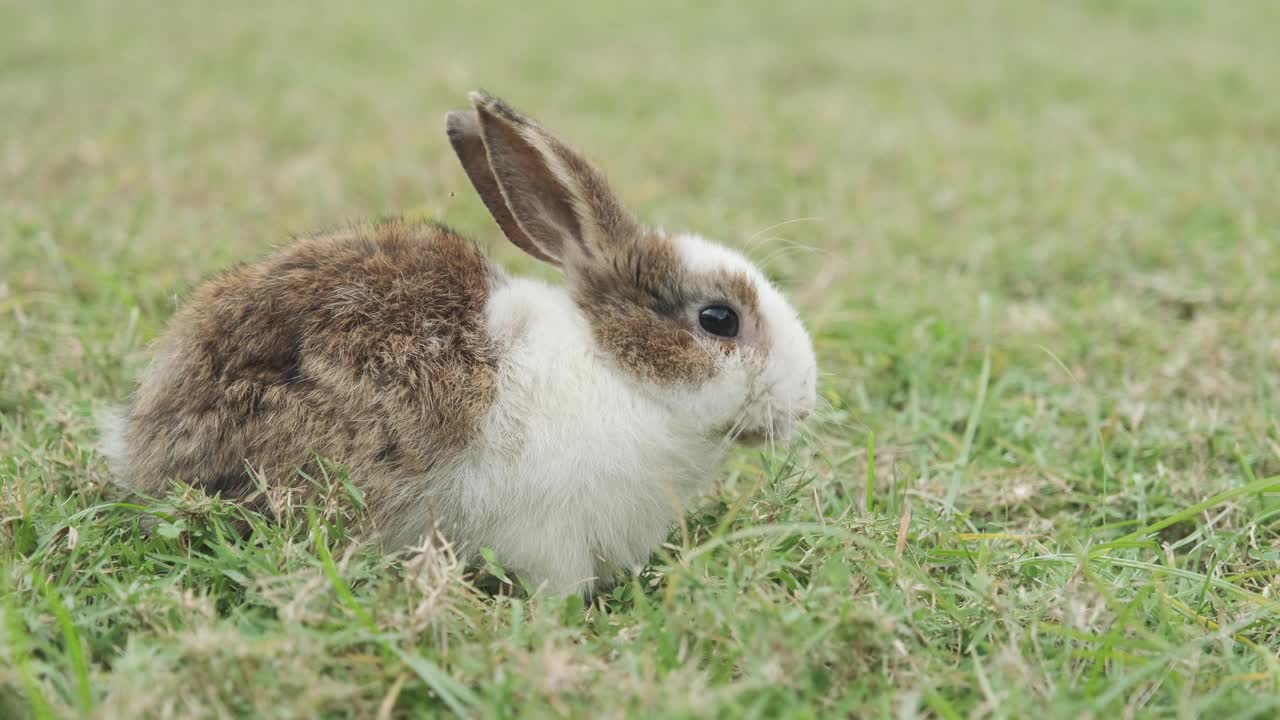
[1038, 245]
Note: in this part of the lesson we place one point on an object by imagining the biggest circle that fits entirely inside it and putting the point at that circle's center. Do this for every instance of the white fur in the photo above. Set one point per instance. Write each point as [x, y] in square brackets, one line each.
[112, 444]
[582, 470]
[580, 473]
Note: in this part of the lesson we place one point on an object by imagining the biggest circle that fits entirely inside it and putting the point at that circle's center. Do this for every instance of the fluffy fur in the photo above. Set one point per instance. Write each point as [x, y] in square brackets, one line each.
[566, 428]
[366, 345]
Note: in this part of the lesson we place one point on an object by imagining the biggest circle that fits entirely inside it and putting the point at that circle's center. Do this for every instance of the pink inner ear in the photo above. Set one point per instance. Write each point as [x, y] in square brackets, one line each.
[463, 130]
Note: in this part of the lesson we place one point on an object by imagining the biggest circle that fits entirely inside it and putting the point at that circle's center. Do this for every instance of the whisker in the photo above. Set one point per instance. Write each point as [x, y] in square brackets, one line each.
[755, 392]
[768, 428]
[783, 251]
[785, 245]
[735, 429]
[752, 239]
[738, 426]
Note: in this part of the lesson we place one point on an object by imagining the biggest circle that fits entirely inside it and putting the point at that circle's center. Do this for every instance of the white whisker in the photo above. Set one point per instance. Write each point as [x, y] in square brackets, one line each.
[753, 238]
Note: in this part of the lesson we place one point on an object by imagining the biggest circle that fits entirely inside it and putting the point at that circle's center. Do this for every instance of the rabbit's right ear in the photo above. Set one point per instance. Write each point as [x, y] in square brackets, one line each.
[464, 135]
[548, 200]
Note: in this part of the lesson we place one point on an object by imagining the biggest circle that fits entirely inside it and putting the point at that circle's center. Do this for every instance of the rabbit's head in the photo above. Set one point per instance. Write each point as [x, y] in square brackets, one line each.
[693, 322]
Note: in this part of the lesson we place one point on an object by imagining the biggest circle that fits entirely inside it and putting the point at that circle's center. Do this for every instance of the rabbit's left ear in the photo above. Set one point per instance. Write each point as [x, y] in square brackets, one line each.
[464, 134]
[548, 200]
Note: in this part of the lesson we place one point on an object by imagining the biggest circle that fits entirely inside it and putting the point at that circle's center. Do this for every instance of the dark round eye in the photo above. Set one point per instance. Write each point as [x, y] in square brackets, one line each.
[719, 320]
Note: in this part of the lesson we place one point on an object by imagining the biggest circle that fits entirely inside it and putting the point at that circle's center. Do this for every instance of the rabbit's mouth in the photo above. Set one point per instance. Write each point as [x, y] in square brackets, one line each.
[775, 433]
[750, 436]
[763, 428]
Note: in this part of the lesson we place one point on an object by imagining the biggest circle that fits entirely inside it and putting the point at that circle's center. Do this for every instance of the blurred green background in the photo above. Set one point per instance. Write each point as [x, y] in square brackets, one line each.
[1038, 245]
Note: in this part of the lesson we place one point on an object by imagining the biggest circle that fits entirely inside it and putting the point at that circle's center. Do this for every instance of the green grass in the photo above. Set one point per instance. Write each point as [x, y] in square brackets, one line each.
[1038, 244]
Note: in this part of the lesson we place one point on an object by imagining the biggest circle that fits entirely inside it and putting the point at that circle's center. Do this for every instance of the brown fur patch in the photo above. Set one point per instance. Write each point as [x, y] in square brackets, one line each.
[366, 346]
[641, 301]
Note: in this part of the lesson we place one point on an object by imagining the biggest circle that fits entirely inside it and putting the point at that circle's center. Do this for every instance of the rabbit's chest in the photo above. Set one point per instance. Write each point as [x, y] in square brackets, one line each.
[579, 472]
[575, 508]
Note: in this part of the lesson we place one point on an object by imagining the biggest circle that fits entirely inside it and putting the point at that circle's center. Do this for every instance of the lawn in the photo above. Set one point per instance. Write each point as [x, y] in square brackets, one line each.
[1038, 245]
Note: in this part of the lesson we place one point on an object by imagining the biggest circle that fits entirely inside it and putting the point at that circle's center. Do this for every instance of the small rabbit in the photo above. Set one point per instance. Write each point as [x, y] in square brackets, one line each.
[565, 428]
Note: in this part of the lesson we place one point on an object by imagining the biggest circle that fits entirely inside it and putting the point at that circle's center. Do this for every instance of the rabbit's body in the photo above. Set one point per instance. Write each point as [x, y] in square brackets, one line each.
[368, 345]
[567, 429]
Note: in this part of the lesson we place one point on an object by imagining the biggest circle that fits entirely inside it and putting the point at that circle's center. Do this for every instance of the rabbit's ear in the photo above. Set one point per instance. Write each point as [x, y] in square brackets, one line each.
[554, 204]
[464, 134]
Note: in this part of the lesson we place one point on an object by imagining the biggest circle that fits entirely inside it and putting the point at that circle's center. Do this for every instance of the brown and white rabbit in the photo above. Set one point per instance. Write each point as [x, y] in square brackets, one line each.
[565, 428]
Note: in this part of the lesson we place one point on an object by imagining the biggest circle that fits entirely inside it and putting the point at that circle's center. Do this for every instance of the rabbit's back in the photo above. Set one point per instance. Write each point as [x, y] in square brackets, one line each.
[367, 346]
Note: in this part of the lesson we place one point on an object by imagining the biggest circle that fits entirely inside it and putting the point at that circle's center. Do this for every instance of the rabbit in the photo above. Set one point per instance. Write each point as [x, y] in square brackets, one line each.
[565, 428]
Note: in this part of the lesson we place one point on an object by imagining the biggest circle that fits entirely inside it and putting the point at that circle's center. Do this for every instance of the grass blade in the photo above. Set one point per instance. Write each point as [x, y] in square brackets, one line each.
[454, 694]
[869, 501]
[457, 696]
[335, 578]
[975, 412]
[20, 652]
[1253, 488]
[75, 652]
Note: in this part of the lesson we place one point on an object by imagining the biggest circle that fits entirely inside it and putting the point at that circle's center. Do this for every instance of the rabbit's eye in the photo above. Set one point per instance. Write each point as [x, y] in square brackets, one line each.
[719, 320]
